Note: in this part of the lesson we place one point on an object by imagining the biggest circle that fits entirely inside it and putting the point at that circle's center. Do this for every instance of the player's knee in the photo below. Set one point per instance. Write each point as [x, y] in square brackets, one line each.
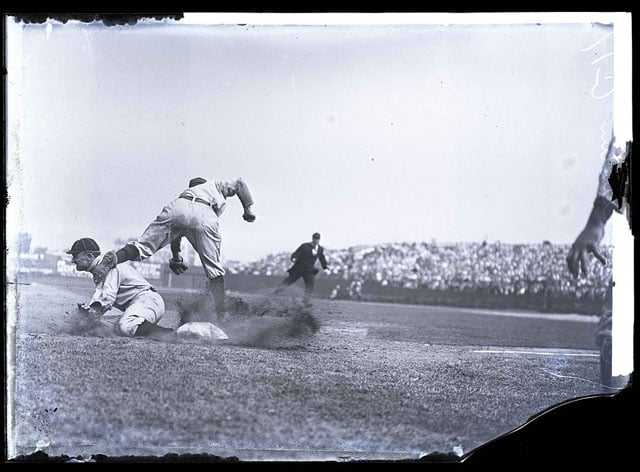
[128, 326]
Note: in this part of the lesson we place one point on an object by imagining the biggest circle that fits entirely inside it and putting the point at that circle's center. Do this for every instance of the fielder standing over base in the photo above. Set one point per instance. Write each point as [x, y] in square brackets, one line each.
[123, 288]
[605, 203]
[304, 261]
[195, 215]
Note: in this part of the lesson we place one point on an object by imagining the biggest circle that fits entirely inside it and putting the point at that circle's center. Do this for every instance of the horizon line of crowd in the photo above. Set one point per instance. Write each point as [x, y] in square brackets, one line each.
[501, 268]
[493, 267]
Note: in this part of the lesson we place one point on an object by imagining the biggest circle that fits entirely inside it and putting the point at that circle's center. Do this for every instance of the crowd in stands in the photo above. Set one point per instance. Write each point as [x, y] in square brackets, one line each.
[529, 276]
[492, 267]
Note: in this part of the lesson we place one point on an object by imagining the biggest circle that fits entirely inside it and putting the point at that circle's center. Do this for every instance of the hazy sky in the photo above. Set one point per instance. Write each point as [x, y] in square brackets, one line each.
[365, 133]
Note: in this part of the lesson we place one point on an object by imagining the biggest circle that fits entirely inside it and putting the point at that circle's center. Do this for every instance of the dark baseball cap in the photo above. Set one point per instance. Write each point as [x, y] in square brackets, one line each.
[84, 244]
[316, 236]
[196, 181]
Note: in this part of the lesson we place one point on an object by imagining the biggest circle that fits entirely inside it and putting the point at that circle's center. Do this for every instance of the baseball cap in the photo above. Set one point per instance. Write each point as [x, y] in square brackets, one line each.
[316, 236]
[196, 181]
[84, 244]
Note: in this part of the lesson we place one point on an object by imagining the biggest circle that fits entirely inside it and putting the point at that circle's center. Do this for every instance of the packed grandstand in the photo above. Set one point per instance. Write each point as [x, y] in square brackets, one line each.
[492, 267]
[533, 276]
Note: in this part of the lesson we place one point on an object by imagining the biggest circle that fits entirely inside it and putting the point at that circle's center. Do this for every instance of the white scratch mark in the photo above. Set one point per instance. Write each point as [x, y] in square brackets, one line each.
[605, 140]
[595, 86]
[93, 66]
[596, 43]
[601, 58]
[576, 378]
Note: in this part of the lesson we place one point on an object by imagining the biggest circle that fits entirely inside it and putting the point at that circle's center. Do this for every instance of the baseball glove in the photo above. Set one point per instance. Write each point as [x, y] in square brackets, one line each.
[177, 265]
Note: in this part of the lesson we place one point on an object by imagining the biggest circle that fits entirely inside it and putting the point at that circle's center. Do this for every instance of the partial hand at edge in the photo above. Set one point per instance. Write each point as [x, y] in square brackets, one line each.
[586, 243]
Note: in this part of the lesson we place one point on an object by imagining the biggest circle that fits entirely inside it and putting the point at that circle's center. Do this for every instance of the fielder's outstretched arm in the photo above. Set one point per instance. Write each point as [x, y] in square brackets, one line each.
[240, 188]
[603, 207]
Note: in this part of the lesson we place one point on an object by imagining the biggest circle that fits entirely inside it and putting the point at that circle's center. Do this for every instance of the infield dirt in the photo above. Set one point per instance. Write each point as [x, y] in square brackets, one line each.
[341, 381]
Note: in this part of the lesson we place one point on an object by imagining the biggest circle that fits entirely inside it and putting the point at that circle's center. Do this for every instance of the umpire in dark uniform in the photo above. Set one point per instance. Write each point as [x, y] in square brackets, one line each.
[304, 265]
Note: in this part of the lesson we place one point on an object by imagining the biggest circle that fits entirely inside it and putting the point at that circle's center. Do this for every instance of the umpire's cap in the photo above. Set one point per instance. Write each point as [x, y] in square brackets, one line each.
[84, 244]
[196, 181]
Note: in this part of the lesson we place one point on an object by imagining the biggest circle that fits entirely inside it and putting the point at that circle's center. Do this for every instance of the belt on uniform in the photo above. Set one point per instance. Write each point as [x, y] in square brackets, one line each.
[196, 199]
[124, 307]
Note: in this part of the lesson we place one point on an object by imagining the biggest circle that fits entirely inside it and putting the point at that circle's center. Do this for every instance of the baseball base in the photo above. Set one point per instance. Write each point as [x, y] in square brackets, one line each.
[201, 331]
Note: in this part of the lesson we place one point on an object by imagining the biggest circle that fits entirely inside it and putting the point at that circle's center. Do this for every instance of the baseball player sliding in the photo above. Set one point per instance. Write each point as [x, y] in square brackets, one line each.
[123, 288]
[194, 214]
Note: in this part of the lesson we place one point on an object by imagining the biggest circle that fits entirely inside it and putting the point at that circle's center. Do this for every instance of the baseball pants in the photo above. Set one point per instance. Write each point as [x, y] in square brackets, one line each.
[307, 277]
[192, 220]
[146, 306]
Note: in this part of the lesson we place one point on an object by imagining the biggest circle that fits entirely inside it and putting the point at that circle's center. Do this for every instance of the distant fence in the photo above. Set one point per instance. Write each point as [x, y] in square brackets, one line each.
[372, 291]
[162, 277]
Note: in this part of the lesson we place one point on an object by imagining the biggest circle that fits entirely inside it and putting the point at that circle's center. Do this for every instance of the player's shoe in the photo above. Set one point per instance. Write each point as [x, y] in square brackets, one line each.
[603, 341]
[606, 378]
[165, 335]
[102, 268]
[311, 322]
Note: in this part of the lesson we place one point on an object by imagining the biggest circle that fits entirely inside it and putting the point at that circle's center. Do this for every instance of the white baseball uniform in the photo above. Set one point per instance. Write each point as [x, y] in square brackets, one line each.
[127, 290]
[194, 214]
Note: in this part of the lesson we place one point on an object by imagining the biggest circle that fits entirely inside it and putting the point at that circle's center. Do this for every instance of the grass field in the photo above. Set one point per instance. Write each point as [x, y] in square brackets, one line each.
[376, 381]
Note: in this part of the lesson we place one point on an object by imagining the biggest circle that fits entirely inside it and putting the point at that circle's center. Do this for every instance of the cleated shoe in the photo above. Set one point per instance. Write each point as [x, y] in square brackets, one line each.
[108, 262]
